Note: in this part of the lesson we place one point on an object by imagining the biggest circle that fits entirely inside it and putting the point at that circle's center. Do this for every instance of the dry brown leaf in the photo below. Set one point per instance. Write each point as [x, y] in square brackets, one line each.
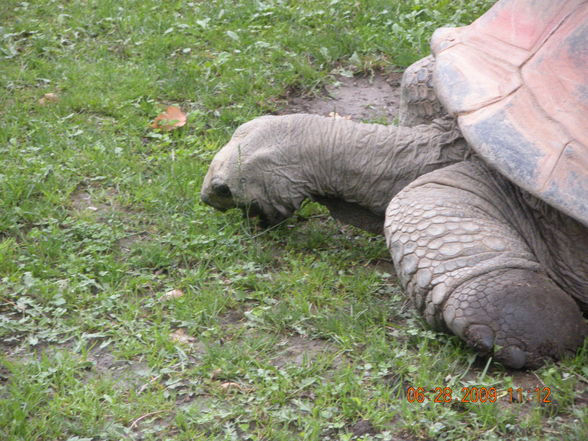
[173, 294]
[180, 336]
[171, 119]
[49, 98]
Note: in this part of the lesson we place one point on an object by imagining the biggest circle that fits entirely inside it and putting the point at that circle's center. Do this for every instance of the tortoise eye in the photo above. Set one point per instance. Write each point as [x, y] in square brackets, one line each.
[222, 189]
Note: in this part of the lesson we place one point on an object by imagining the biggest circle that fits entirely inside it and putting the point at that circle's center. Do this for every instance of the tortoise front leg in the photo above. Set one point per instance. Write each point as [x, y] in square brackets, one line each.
[418, 100]
[469, 271]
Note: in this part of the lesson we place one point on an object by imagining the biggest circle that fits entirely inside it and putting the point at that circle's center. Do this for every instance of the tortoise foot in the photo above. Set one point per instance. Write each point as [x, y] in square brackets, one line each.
[519, 316]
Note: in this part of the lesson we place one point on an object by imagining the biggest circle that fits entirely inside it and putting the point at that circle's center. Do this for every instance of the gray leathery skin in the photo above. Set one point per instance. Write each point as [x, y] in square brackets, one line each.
[273, 163]
[418, 101]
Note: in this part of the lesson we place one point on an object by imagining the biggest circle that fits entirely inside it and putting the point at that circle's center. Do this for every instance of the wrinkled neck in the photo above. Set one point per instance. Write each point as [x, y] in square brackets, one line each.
[367, 164]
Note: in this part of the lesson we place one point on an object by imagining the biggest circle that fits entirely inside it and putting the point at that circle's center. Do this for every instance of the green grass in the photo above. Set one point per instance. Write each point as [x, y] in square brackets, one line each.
[288, 334]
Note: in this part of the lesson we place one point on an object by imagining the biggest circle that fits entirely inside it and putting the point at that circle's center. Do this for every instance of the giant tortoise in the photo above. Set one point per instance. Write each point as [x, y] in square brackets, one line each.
[481, 191]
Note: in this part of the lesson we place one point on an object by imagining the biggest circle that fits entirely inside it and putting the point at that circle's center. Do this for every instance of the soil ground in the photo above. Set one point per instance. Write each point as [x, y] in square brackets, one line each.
[370, 98]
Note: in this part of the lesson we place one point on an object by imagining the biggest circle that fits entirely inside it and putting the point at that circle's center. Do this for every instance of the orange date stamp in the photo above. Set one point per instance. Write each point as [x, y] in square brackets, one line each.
[473, 394]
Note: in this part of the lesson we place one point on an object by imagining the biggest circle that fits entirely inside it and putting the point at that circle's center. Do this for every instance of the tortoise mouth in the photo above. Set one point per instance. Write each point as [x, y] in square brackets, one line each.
[220, 204]
[222, 200]
[254, 209]
[251, 209]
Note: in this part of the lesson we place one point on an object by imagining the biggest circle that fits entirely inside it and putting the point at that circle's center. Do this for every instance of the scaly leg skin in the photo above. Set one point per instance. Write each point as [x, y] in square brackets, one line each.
[418, 100]
[470, 272]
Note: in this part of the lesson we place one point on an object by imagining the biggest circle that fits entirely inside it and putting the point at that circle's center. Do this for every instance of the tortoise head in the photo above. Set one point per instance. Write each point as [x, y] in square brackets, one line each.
[253, 172]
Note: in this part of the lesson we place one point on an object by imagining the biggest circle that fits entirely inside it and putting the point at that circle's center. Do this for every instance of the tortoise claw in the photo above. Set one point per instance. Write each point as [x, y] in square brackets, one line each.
[512, 356]
[480, 337]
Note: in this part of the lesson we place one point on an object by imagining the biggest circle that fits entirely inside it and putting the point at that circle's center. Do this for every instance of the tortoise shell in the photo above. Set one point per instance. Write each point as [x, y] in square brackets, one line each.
[517, 80]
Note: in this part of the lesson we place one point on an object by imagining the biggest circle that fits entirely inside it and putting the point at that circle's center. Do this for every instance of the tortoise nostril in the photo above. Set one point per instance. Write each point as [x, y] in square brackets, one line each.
[221, 189]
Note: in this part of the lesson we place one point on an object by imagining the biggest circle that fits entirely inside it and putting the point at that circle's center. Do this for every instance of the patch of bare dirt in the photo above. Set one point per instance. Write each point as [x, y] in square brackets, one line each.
[527, 381]
[127, 243]
[105, 362]
[297, 349]
[234, 317]
[84, 200]
[385, 267]
[102, 202]
[371, 98]
[363, 427]
[125, 373]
